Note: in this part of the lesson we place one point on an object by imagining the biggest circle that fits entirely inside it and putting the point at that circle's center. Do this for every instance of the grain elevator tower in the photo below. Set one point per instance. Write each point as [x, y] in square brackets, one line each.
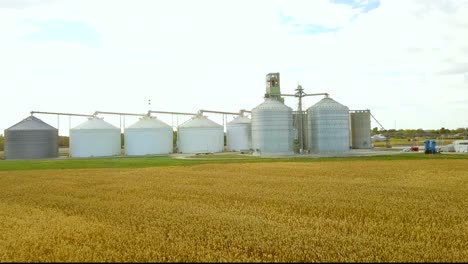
[273, 86]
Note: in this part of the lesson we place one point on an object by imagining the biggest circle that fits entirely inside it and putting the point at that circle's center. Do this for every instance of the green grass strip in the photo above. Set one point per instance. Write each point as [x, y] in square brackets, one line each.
[158, 161]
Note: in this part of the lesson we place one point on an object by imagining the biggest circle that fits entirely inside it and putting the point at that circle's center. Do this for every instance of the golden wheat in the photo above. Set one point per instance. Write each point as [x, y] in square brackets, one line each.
[320, 211]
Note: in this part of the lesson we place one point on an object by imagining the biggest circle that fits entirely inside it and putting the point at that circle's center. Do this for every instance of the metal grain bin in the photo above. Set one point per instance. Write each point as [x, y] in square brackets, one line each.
[148, 136]
[272, 128]
[361, 129]
[31, 138]
[200, 135]
[239, 134]
[94, 138]
[328, 127]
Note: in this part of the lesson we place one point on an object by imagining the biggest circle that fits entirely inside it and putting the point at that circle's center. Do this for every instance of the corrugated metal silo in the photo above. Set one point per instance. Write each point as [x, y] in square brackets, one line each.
[328, 123]
[148, 136]
[239, 134]
[31, 138]
[360, 129]
[200, 135]
[94, 138]
[272, 128]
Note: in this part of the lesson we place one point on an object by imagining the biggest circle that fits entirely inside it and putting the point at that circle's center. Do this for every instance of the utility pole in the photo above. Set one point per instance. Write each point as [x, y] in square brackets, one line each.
[300, 116]
[299, 94]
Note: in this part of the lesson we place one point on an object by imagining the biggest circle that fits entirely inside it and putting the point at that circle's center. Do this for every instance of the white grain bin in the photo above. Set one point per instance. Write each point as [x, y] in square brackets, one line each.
[148, 136]
[360, 129]
[31, 138]
[461, 145]
[448, 148]
[328, 123]
[239, 134]
[200, 135]
[272, 128]
[94, 138]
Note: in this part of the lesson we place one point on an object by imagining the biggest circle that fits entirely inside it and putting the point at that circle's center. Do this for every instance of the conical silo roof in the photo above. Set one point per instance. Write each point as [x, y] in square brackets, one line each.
[31, 123]
[149, 122]
[95, 123]
[271, 105]
[241, 120]
[200, 121]
[328, 104]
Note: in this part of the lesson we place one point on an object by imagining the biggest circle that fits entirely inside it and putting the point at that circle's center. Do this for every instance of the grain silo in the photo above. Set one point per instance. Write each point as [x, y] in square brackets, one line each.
[360, 129]
[200, 135]
[239, 134]
[148, 136]
[31, 138]
[272, 128]
[94, 138]
[328, 127]
[460, 145]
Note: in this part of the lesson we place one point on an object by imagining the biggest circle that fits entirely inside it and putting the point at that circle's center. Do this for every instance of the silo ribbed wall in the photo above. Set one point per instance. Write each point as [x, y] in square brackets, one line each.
[31, 144]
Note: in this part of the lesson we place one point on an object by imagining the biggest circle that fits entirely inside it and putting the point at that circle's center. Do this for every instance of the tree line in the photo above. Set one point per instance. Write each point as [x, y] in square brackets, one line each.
[459, 133]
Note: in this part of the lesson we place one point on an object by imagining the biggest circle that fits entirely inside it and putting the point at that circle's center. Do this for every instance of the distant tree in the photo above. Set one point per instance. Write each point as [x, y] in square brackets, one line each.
[420, 132]
[430, 133]
[174, 140]
[64, 142]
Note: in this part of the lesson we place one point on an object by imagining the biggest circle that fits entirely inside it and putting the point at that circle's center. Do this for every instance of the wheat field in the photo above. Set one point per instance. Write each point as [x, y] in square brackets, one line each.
[383, 211]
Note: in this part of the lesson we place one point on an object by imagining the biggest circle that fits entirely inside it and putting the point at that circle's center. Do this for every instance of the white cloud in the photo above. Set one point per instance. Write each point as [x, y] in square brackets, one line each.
[318, 12]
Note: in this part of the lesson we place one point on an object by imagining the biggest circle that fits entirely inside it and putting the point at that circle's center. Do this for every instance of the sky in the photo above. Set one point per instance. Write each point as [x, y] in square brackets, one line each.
[405, 60]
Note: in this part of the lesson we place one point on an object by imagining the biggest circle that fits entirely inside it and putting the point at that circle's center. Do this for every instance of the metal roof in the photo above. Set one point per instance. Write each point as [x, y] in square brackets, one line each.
[241, 120]
[200, 121]
[31, 123]
[149, 122]
[95, 123]
[271, 104]
[328, 104]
